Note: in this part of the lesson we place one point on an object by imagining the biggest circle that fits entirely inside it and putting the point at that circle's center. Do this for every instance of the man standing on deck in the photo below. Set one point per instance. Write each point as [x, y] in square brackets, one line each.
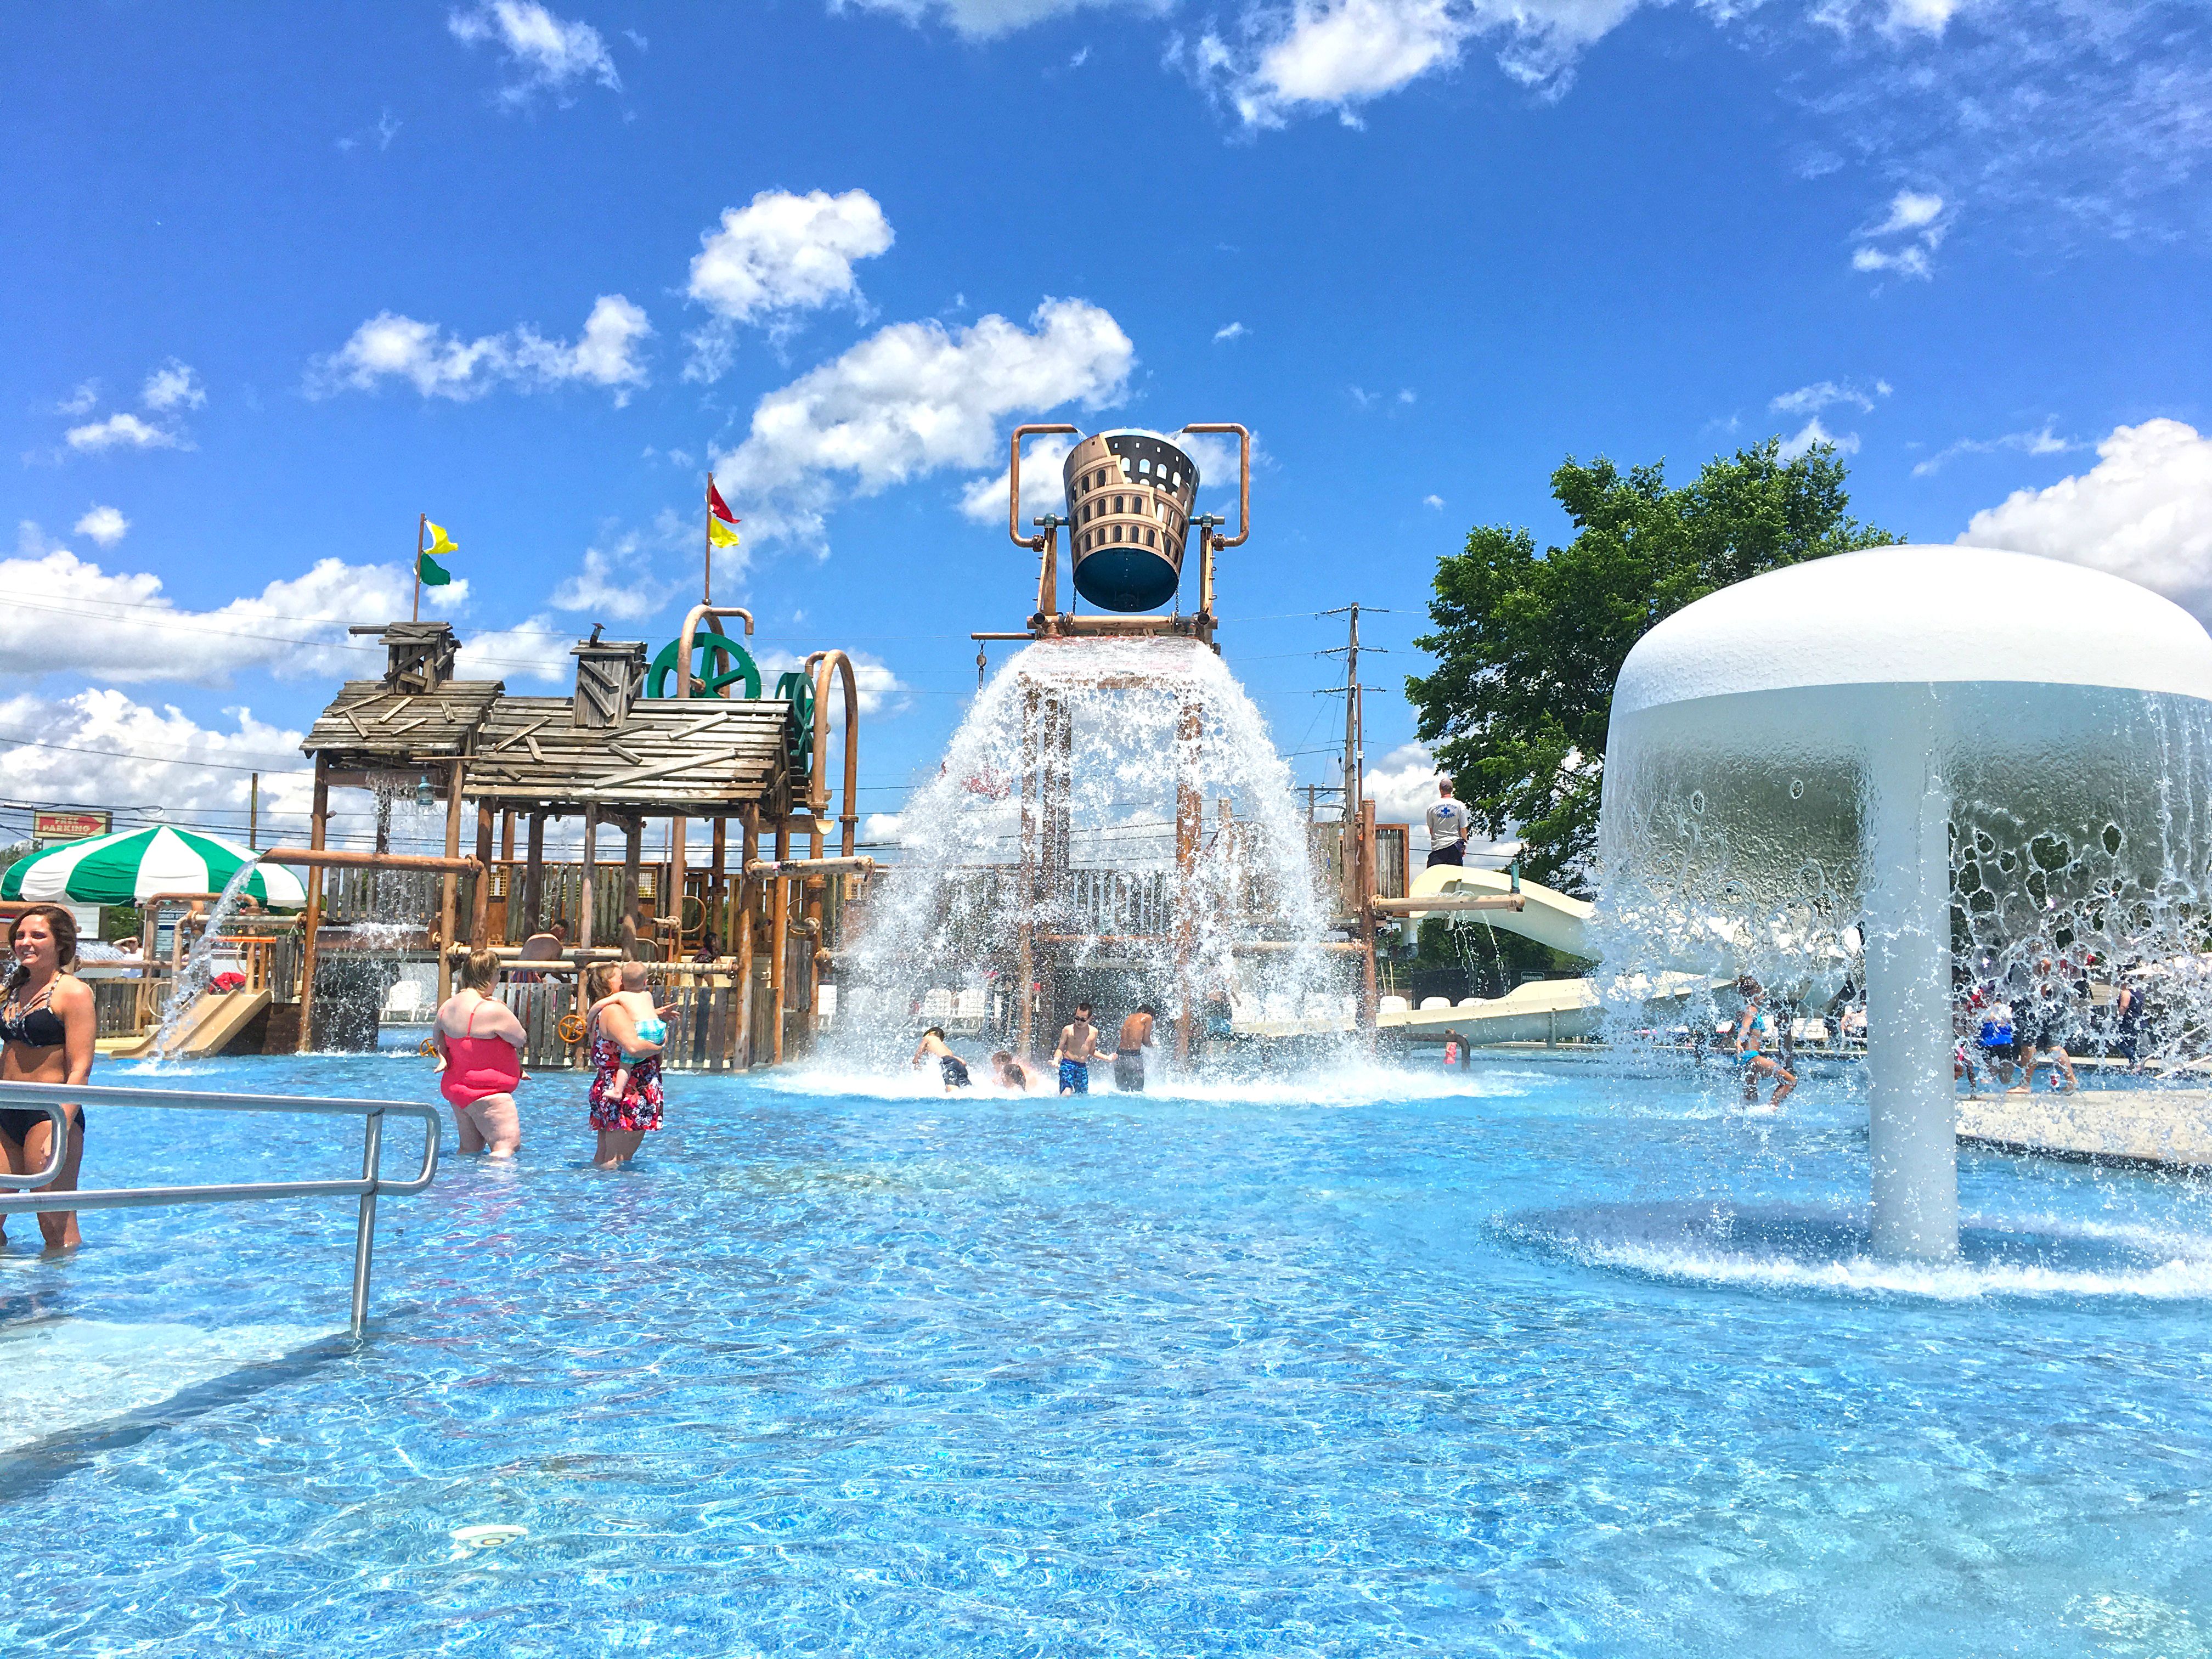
[1078, 1047]
[1129, 1051]
[1449, 822]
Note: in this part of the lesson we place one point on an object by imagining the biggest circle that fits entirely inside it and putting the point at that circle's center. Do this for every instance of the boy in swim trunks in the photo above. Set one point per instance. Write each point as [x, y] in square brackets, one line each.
[1078, 1047]
[950, 1065]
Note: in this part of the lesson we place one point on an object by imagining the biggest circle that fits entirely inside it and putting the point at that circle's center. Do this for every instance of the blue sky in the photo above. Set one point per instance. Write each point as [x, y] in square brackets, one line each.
[280, 278]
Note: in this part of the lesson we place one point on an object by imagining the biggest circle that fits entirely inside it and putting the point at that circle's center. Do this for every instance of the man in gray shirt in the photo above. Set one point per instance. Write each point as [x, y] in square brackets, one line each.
[1449, 822]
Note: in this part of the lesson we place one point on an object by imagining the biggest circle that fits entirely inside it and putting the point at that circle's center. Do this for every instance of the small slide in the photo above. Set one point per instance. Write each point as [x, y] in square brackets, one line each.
[1535, 1011]
[209, 1026]
[1548, 916]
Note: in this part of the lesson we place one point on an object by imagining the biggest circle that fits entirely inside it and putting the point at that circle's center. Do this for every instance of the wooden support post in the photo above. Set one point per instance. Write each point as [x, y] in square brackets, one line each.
[533, 878]
[318, 819]
[678, 834]
[506, 836]
[584, 917]
[813, 886]
[717, 881]
[480, 911]
[1032, 785]
[741, 922]
[779, 942]
[449, 884]
[632, 910]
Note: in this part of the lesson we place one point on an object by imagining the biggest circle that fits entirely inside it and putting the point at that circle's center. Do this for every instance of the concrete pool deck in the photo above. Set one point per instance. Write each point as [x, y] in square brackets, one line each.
[2145, 1128]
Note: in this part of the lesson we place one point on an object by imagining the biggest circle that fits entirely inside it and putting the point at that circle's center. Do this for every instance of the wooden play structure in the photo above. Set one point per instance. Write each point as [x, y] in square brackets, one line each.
[742, 940]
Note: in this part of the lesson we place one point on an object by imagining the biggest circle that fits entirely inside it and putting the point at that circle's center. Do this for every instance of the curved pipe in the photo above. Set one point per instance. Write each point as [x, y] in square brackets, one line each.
[1243, 480]
[692, 618]
[818, 800]
[1035, 543]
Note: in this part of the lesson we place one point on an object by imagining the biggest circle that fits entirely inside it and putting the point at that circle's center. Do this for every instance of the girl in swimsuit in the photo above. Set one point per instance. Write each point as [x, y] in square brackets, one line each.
[482, 1043]
[46, 1036]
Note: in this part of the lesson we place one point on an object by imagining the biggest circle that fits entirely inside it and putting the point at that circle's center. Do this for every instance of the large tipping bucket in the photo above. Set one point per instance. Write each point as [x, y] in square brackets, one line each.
[1129, 497]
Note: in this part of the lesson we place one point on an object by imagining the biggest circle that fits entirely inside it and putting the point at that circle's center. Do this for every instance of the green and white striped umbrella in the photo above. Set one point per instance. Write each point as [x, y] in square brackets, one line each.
[123, 869]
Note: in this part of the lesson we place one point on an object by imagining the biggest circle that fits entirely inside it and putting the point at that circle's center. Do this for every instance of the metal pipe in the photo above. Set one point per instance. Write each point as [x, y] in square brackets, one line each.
[818, 800]
[741, 912]
[1244, 477]
[692, 618]
[1415, 907]
[1035, 543]
[364, 1231]
[58, 1140]
[449, 884]
[480, 904]
[779, 944]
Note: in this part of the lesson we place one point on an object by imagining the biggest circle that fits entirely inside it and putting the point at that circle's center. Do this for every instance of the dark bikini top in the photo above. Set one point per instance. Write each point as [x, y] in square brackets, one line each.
[37, 1026]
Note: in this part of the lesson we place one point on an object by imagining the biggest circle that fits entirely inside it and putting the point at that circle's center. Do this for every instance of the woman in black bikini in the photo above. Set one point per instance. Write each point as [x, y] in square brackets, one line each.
[46, 1036]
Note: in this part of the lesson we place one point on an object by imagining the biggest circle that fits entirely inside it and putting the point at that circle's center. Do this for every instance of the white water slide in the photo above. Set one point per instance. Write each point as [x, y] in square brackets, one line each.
[1539, 1009]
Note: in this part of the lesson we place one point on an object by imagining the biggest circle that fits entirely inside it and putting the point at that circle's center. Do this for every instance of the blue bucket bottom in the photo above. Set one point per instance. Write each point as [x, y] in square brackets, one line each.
[1126, 578]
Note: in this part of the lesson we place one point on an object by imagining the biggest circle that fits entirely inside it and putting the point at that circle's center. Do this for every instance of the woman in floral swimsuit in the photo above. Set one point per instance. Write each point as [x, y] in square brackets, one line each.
[622, 1123]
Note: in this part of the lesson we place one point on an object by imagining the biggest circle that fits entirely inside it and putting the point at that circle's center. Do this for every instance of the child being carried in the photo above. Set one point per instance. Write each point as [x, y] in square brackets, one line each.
[645, 1016]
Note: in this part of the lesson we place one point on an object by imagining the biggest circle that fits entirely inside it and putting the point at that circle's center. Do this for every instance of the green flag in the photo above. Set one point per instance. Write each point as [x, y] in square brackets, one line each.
[430, 572]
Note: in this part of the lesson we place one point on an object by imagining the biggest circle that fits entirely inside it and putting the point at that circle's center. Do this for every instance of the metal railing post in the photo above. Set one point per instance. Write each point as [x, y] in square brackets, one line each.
[364, 1236]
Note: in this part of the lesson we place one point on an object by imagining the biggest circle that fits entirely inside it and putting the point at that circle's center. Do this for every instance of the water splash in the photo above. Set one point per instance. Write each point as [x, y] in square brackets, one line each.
[198, 967]
[1058, 815]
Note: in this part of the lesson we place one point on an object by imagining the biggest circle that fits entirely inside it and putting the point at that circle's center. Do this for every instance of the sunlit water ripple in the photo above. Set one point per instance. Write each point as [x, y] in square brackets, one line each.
[1357, 1366]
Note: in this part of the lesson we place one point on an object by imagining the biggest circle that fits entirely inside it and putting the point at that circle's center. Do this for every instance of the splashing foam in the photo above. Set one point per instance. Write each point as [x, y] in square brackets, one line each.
[1057, 808]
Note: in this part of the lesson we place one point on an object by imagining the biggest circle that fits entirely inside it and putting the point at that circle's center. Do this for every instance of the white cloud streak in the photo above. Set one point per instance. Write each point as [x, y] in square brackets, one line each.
[102, 748]
[547, 53]
[1826, 394]
[985, 19]
[616, 580]
[536, 648]
[437, 364]
[1813, 433]
[2044, 441]
[122, 430]
[173, 385]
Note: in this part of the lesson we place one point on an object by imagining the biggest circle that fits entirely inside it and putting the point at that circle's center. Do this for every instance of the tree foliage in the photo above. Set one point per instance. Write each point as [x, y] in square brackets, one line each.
[1527, 645]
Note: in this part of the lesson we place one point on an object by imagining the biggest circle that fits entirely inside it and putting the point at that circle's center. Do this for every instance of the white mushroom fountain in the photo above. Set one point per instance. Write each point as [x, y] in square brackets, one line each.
[1957, 751]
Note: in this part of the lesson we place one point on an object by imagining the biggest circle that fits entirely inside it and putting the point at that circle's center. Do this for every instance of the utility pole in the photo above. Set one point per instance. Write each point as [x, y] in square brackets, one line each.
[1357, 822]
[253, 815]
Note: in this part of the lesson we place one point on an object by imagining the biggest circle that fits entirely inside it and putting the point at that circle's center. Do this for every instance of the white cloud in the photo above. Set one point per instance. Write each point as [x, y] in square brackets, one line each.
[122, 431]
[1915, 216]
[1403, 784]
[914, 398]
[1043, 487]
[1232, 331]
[1814, 432]
[70, 615]
[1824, 394]
[104, 525]
[782, 253]
[173, 385]
[983, 19]
[535, 648]
[440, 365]
[881, 828]
[1338, 54]
[549, 53]
[2044, 441]
[83, 398]
[1436, 501]
[881, 691]
[2143, 511]
[99, 747]
[617, 581]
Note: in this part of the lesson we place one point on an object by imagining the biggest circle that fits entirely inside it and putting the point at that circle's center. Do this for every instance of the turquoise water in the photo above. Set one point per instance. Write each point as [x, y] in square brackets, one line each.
[1399, 1363]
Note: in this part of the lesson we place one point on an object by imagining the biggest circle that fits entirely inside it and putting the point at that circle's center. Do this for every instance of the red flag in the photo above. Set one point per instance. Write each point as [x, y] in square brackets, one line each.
[717, 506]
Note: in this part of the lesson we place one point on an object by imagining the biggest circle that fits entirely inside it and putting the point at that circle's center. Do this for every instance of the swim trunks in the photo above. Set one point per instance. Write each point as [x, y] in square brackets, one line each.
[1074, 1077]
[1129, 1071]
[955, 1072]
[1455, 853]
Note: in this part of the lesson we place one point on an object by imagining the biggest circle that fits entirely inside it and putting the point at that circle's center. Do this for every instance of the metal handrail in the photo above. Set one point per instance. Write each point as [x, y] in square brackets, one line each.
[50, 1098]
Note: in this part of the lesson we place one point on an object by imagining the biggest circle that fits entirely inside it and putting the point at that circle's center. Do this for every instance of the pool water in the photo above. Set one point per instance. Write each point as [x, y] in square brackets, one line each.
[1539, 1358]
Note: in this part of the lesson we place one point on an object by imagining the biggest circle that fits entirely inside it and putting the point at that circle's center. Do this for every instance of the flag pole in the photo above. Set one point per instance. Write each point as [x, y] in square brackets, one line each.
[420, 520]
[707, 592]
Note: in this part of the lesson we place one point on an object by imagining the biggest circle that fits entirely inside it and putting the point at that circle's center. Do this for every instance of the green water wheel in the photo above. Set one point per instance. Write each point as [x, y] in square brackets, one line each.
[798, 689]
[722, 662]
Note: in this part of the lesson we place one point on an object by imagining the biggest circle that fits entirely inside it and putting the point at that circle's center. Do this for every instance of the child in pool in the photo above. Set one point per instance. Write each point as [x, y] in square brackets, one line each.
[644, 1013]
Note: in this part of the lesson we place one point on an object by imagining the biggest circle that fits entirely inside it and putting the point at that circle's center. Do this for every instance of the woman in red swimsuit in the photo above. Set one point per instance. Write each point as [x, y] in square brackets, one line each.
[482, 1041]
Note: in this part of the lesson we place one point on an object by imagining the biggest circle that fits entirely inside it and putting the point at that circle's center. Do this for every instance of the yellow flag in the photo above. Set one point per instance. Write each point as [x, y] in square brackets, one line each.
[719, 534]
[440, 542]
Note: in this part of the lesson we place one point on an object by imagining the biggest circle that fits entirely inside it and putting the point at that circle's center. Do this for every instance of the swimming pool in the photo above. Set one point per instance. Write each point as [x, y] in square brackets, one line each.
[1339, 1370]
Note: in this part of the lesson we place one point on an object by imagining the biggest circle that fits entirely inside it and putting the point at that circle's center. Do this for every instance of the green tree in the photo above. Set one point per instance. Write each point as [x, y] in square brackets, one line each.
[1527, 645]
